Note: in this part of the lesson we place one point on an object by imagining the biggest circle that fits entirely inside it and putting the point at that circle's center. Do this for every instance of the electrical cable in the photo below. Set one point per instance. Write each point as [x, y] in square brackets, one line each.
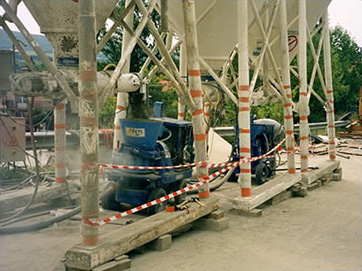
[37, 177]
[39, 225]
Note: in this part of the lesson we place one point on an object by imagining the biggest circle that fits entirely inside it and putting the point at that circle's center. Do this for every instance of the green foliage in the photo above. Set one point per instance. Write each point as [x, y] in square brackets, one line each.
[106, 116]
[168, 97]
[269, 111]
[347, 70]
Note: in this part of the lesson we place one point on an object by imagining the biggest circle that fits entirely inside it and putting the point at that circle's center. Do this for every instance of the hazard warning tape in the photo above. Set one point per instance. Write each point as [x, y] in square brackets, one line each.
[203, 164]
[201, 181]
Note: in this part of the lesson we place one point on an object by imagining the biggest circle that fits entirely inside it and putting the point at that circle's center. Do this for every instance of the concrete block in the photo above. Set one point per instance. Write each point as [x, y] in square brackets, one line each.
[252, 213]
[162, 243]
[280, 197]
[299, 190]
[181, 230]
[122, 265]
[216, 215]
[209, 224]
[121, 258]
[337, 177]
[315, 185]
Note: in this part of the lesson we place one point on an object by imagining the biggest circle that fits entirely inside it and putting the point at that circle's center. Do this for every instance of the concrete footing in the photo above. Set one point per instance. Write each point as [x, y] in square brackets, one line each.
[162, 243]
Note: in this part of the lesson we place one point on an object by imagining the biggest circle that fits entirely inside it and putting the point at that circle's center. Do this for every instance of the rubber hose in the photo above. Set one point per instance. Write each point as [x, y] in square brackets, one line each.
[215, 185]
[110, 188]
[39, 225]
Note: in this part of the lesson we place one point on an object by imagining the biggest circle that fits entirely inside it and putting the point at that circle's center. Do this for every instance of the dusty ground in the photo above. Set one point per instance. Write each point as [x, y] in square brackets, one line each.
[319, 232]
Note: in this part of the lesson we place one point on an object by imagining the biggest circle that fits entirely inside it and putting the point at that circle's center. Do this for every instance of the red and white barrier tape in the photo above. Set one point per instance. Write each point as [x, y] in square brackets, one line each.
[178, 192]
[203, 164]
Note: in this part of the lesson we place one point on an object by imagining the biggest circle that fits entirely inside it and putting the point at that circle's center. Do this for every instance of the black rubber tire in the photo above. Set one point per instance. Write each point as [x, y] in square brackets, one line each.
[109, 203]
[156, 194]
[261, 173]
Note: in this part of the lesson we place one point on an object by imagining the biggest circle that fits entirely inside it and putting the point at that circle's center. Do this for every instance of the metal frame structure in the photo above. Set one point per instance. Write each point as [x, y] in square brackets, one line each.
[271, 63]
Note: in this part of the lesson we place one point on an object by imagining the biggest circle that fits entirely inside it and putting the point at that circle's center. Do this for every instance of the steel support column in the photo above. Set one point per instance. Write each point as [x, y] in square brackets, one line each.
[60, 143]
[303, 108]
[288, 112]
[244, 98]
[195, 91]
[330, 99]
[88, 113]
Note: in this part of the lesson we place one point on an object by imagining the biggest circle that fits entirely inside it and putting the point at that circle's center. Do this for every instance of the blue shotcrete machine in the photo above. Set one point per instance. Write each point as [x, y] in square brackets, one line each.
[158, 142]
[161, 142]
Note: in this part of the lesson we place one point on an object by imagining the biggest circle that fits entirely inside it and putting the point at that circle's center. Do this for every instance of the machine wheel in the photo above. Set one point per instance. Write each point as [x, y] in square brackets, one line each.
[156, 194]
[110, 203]
[179, 185]
[261, 173]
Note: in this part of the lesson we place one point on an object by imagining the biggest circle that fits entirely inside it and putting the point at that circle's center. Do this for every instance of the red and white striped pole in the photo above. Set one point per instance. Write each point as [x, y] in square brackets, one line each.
[60, 143]
[244, 98]
[196, 92]
[303, 109]
[330, 100]
[288, 112]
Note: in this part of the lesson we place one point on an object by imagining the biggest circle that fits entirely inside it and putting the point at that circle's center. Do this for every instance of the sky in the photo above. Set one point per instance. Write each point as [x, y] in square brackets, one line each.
[346, 13]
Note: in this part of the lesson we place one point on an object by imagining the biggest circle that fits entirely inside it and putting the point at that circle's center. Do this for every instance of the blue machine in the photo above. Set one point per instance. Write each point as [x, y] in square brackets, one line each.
[155, 142]
[264, 134]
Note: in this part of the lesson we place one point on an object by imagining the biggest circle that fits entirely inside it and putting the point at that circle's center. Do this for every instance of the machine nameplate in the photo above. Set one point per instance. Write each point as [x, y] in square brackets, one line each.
[135, 132]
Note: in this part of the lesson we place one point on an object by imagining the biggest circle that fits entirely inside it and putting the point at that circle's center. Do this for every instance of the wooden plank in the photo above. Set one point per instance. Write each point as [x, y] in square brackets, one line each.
[127, 238]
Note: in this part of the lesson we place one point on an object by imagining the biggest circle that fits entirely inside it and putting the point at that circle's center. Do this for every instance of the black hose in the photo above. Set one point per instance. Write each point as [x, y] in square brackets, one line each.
[111, 187]
[215, 185]
[39, 225]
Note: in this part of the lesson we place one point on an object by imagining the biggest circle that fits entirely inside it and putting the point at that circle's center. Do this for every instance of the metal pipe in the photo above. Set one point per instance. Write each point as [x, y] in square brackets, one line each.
[330, 99]
[88, 113]
[303, 109]
[244, 99]
[288, 112]
[195, 88]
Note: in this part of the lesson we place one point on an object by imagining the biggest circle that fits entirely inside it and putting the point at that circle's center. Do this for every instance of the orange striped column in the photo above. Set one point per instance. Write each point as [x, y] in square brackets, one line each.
[329, 95]
[303, 95]
[285, 71]
[244, 99]
[195, 90]
[181, 109]
[60, 143]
